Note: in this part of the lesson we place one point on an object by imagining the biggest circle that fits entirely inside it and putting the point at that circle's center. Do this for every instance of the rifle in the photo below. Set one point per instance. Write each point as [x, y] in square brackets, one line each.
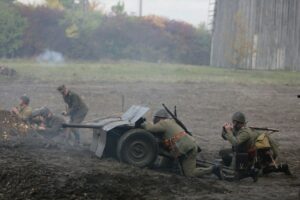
[298, 95]
[201, 162]
[177, 120]
[264, 129]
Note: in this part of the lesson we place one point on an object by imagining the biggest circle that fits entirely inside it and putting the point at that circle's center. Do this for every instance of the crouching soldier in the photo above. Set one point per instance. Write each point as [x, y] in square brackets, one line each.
[23, 110]
[251, 149]
[77, 109]
[180, 145]
[50, 125]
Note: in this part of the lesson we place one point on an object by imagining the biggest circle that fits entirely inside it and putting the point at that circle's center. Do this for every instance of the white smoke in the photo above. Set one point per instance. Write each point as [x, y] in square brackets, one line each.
[49, 56]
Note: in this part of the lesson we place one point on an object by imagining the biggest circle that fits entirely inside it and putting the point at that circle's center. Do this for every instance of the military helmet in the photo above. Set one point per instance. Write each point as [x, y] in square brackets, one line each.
[162, 113]
[25, 99]
[61, 88]
[44, 111]
[239, 117]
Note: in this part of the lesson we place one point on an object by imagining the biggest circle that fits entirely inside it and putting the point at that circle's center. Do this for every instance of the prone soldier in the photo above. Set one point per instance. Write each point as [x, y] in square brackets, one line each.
[50, 125]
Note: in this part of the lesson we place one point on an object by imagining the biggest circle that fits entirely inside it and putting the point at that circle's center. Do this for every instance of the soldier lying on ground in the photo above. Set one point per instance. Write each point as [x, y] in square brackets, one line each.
[179, 144]
[77, 109]
[260, 149]
[23, 110]
[49, 125]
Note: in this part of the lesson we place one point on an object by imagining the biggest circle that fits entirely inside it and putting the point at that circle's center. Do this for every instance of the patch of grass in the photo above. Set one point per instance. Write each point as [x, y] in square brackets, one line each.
[129, 71]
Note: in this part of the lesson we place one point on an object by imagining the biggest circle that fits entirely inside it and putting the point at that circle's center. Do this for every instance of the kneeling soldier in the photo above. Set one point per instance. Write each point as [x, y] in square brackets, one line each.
[181, 145]
[253, 144]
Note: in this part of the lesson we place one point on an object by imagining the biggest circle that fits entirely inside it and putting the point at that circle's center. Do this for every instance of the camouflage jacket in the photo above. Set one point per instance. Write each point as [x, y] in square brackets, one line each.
[168, 128]
[76, 106]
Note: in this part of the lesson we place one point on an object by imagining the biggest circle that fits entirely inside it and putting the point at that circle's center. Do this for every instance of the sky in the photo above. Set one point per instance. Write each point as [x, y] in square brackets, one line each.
[191, 11]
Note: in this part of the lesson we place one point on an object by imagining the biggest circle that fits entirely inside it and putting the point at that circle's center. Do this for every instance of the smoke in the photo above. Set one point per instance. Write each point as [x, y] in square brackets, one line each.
[51, 57]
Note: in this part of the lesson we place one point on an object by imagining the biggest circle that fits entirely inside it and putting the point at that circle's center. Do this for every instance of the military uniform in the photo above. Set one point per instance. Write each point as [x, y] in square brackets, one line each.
[53, 126]
[244, 141]
[24, 113]
[77, 110]
[179, 144]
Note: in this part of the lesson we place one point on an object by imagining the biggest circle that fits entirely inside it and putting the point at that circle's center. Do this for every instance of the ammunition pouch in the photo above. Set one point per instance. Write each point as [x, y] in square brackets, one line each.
[262, 142]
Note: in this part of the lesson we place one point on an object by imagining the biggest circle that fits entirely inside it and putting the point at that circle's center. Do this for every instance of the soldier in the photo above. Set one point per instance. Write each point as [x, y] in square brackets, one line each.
[23, 111]
[244, 140]
[77, 109]
[51, 125]
[181, 145]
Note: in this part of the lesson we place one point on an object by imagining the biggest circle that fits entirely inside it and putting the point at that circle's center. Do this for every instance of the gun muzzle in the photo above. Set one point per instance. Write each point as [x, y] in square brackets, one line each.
[298, 95]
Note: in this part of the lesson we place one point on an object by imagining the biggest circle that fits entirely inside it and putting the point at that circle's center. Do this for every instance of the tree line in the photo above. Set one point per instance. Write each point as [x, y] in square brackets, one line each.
[89, 34]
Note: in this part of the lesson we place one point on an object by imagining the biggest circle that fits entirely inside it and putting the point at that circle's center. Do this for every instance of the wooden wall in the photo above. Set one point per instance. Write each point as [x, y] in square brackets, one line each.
[256, 34]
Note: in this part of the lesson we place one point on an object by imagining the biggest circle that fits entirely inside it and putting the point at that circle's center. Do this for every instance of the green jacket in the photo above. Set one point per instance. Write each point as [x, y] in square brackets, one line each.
[76, 106]
[24, 113]
[243, 140]
[168, 128]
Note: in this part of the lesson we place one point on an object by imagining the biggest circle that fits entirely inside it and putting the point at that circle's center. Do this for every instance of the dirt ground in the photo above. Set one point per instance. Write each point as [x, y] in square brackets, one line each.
[28, 170]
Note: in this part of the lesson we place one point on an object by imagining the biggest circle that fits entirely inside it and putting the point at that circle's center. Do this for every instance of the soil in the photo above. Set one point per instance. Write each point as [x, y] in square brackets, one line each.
[32, 169]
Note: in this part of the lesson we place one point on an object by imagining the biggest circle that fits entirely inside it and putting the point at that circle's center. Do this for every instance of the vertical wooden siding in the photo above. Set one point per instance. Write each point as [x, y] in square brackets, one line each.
[257, 34]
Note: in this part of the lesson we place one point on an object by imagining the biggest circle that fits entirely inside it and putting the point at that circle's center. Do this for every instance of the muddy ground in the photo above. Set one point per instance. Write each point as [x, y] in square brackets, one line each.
[28, 170]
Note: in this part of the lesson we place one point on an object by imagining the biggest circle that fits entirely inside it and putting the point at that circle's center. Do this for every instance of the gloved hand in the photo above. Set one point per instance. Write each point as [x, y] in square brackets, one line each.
[139, 122]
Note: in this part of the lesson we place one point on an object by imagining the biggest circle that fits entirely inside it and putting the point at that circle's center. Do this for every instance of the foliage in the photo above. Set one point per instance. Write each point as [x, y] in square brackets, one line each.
[118, 9]
[12, 27]
[91, 35]
[43, 31]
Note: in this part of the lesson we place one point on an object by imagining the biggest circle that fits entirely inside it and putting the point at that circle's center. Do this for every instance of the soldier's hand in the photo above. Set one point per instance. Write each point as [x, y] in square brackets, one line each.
[64, 113]
[228, 127]
[14, 110]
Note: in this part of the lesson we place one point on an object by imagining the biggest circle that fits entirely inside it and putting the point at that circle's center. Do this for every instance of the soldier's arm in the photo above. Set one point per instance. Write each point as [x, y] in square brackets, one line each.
[153, 128]
[236, 140]
[56, 126]
[75, 104]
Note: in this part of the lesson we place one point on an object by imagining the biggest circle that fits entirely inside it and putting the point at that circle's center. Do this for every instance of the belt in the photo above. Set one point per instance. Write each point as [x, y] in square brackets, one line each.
[168, 143]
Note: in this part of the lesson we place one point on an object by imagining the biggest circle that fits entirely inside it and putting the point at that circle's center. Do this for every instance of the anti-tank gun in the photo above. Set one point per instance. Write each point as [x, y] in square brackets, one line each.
[118, 137]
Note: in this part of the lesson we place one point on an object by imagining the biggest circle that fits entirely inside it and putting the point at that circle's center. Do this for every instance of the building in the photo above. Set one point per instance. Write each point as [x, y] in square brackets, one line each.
[256, 34]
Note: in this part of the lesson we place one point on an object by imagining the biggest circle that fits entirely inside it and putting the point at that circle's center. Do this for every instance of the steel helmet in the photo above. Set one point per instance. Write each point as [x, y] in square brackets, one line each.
[25, 99]
[239, 117]
[44, 111]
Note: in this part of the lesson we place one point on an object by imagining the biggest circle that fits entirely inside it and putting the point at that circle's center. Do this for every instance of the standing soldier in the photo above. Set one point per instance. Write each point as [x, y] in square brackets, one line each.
[245, 140]
[181, 145]
[23, 111]
[77, 109]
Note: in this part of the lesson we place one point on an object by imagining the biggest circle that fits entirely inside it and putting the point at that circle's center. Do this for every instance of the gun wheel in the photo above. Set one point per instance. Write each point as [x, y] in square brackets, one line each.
[137, 147]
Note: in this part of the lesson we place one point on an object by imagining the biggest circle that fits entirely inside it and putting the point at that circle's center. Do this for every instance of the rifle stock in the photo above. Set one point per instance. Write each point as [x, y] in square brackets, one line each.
[264, 129]
[177, 120]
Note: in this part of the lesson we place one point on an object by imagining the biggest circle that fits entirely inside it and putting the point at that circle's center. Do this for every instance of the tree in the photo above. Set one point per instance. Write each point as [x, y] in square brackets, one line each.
[12, 26]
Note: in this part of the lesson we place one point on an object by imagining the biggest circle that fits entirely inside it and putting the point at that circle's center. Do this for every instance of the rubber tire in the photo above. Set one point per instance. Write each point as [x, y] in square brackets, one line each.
[137, 147]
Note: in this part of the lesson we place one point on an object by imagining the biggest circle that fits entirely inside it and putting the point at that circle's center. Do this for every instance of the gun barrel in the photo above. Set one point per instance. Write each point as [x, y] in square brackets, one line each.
[81, 126]
[298, 95]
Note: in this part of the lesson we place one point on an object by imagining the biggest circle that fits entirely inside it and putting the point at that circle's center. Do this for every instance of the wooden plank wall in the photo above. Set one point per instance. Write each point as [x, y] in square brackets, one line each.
[257, 34]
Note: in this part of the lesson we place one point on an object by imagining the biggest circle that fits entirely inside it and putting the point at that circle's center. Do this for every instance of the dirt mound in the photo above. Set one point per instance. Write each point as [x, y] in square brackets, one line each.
[28, 171]
[11, 126]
